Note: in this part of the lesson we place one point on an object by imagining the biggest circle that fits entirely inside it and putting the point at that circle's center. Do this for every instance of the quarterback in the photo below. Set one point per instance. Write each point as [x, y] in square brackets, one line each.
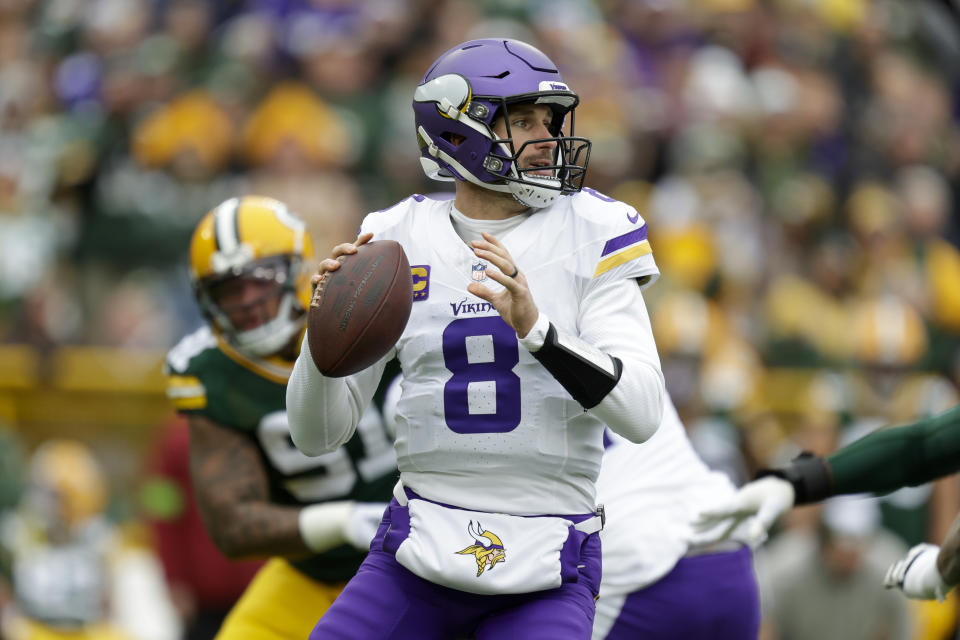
[257, 494]
[528, 334]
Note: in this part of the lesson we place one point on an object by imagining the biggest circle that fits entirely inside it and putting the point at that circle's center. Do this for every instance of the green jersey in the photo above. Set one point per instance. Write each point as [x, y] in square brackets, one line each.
[208, 377]
[884, 461]
[908, 455]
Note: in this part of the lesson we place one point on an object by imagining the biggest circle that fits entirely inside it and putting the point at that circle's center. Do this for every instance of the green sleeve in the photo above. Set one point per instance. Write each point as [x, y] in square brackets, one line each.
[892, 458]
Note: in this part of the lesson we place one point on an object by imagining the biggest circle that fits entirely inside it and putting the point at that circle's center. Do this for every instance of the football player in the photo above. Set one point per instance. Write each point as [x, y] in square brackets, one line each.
[885, 460]
[661, 578]
[528, 334]
[655, 566]
[258, 495]
[63, 550]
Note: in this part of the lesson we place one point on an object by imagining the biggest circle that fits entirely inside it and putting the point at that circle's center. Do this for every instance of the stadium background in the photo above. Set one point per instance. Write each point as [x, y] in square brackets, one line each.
[797, 162]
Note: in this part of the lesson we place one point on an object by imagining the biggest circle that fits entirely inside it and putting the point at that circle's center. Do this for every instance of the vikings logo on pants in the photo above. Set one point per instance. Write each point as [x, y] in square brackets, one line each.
[488, 548]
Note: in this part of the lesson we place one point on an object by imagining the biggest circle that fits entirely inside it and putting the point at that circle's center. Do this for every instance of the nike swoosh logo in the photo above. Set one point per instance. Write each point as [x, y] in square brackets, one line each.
[633, 218]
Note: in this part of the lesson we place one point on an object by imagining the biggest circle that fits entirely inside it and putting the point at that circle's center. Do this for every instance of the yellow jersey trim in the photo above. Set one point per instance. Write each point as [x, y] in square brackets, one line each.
[180, 382]
[190, 404]
[186, 392]
[274, 368]
[639, 249]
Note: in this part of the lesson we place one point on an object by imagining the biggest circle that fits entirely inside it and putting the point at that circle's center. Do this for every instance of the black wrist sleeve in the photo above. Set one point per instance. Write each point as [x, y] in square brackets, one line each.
[587, 373]
[810, 476]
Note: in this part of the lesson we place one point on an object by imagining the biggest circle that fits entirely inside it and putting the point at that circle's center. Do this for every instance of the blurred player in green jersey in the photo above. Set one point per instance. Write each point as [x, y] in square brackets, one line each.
[258, 495]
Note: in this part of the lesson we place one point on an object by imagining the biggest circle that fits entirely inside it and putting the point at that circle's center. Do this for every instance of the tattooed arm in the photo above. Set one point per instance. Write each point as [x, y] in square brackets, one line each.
[230, 485]
[232, 491]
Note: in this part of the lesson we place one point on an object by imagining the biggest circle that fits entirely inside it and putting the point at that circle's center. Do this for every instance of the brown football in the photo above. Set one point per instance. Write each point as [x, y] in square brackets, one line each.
[359, 311]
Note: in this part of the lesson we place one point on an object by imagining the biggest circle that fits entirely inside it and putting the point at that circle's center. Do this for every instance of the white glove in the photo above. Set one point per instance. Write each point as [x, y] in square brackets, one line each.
[916, 574]
[326, 525]
[759, 503]
[363, 523]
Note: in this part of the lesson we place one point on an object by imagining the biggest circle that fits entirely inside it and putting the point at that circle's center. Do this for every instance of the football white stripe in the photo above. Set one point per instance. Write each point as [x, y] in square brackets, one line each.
[225, 221]
[186, 392]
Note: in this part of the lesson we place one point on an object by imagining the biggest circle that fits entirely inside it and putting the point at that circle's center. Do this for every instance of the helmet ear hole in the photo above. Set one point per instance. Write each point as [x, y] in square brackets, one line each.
[454, 139]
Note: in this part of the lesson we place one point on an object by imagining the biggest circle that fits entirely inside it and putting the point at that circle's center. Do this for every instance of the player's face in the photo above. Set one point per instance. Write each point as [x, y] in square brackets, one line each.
[530, 122]
[248, 302]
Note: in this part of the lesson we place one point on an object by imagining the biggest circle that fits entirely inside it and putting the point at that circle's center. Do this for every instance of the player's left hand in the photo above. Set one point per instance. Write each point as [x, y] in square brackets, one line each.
[916, 574]
[759, 503]
[514, 302]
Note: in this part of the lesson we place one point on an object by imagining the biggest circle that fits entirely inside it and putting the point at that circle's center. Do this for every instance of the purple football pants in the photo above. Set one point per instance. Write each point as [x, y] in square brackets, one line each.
[707, 596]
[387, 601]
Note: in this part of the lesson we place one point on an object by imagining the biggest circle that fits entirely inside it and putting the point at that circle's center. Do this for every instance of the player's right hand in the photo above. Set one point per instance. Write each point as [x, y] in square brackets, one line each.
[762, 501]
[333, 262]
[363, 523]
[916, 574]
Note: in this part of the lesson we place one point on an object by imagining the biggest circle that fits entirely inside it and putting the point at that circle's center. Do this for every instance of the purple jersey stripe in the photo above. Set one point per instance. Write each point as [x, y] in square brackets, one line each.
[615, 244]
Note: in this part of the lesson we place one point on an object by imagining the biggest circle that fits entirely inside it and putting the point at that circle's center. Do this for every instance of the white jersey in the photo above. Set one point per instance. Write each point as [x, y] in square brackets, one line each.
[652, 492]
[480, 423]
[61, 584]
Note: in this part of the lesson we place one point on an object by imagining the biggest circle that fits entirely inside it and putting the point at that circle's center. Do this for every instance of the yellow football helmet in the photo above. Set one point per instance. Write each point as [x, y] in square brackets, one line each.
[65, 484]
[259, 239]
[888, 332]
[686, 323]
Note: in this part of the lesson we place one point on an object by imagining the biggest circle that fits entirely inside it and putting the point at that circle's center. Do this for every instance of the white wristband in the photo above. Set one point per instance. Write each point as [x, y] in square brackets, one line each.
[323, 526]
[537, 335]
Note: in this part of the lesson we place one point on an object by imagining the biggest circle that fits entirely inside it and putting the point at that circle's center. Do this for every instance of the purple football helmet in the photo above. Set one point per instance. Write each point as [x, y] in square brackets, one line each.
[462, 94]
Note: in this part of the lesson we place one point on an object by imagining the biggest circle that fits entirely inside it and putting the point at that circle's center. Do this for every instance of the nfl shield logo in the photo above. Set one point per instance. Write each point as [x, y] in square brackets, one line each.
[479, 271]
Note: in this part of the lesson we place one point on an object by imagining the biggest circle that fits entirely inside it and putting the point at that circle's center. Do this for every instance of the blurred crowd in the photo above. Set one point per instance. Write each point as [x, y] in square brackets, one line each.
[798, 163]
